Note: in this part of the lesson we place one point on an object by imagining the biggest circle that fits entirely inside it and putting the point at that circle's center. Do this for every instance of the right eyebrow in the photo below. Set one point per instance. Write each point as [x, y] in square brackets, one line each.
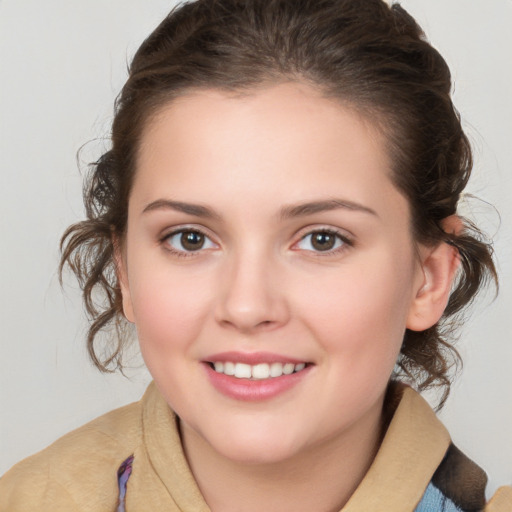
[304, 209]
[196, 210]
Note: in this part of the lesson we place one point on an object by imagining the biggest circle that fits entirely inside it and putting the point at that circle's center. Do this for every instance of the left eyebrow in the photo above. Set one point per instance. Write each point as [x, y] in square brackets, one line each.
[303, 209]
[196, 210]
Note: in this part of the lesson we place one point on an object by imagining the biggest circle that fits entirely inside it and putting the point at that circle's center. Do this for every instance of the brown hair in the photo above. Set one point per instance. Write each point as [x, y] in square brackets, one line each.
[365, 53]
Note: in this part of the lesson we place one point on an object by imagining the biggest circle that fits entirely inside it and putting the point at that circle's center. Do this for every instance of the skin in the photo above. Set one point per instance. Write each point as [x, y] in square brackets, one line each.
[258, 284]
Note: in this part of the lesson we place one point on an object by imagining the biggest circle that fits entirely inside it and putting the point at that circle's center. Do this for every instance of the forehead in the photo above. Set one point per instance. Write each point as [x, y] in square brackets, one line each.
[285, 139]
[300, 111]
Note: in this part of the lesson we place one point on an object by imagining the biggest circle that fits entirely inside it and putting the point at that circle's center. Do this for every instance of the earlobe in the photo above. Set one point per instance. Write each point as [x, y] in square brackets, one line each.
[122, 277]
[439, 266]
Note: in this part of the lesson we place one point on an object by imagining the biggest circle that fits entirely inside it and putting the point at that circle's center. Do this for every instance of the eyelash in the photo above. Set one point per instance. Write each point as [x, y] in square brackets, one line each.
[184, 253]
[346, 242]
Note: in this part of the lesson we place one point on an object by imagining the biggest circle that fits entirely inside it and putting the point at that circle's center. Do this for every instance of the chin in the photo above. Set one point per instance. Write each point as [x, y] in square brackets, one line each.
[258, 455]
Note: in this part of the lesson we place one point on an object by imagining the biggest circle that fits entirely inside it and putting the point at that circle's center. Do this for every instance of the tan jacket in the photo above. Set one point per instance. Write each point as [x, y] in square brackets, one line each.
[78, 473]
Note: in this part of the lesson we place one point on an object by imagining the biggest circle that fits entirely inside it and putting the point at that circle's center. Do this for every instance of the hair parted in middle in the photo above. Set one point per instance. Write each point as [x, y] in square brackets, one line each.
[366, 54]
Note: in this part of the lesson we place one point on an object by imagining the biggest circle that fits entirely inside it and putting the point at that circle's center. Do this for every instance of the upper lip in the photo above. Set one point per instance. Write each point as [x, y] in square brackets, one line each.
[252, 358]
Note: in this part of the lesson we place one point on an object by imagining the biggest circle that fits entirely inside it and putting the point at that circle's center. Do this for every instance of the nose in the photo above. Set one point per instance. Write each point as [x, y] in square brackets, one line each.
[252, 297]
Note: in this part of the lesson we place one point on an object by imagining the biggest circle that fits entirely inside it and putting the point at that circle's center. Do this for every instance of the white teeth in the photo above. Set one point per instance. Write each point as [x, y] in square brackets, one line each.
[242, 371]
[288, 368]
[229, 368]
[258, 371]
[276, 369]
[261, 371]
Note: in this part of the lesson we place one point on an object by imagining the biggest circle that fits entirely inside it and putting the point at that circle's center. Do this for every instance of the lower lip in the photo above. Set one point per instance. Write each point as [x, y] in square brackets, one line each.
[254, 390]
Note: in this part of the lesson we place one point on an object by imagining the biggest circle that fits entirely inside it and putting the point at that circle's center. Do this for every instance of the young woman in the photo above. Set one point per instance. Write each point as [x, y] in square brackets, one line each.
[277, 217]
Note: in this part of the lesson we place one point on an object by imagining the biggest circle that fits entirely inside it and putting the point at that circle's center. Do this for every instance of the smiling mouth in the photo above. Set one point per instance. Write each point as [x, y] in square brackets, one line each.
[259, 371]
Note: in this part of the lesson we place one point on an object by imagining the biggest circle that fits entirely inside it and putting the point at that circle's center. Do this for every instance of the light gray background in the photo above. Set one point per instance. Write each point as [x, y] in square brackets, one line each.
[61, 64]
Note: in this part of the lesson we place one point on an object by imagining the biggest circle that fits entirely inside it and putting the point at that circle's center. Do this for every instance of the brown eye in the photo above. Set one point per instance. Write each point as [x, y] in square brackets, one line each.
[322, 241]
[192, 240]
[187, 240]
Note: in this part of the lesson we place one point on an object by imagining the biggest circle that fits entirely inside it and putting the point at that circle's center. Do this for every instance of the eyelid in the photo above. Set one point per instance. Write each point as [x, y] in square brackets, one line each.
[346, 239]
[175, 230]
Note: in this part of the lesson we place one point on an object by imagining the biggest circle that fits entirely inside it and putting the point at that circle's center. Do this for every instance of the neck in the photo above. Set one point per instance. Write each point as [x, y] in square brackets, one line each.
[321, 478]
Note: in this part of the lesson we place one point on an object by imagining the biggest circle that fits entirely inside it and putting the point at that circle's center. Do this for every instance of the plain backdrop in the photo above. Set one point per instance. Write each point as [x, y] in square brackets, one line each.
[62, 62]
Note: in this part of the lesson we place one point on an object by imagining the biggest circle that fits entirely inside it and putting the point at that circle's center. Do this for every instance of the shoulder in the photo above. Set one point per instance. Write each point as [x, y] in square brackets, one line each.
[79, 468]
[501, 501]
[418, 461]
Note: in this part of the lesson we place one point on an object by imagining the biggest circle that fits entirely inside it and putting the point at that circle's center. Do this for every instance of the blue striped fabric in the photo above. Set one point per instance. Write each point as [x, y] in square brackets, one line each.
[435, 501]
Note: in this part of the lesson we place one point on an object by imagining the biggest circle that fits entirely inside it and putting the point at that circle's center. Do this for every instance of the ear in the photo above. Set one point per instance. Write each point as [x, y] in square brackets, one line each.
[439, 266]
[122, 278]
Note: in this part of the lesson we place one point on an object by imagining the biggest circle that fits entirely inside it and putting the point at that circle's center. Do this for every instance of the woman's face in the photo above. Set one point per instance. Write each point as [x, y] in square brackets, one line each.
[266, 237]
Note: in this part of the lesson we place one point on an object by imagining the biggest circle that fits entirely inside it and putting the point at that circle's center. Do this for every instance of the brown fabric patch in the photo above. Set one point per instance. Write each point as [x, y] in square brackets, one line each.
[461, 480]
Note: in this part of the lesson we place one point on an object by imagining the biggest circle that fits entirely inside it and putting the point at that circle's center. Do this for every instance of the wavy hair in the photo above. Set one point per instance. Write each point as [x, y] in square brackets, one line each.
[367, 54]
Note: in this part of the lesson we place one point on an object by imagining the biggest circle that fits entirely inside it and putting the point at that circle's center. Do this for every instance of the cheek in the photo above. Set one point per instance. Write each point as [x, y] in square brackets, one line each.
[362, 312]
[169, 309]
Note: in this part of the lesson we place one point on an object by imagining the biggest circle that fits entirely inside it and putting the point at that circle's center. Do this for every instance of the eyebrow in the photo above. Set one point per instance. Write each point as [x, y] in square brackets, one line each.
[304, 209]
[196, 210]
[287, 212]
